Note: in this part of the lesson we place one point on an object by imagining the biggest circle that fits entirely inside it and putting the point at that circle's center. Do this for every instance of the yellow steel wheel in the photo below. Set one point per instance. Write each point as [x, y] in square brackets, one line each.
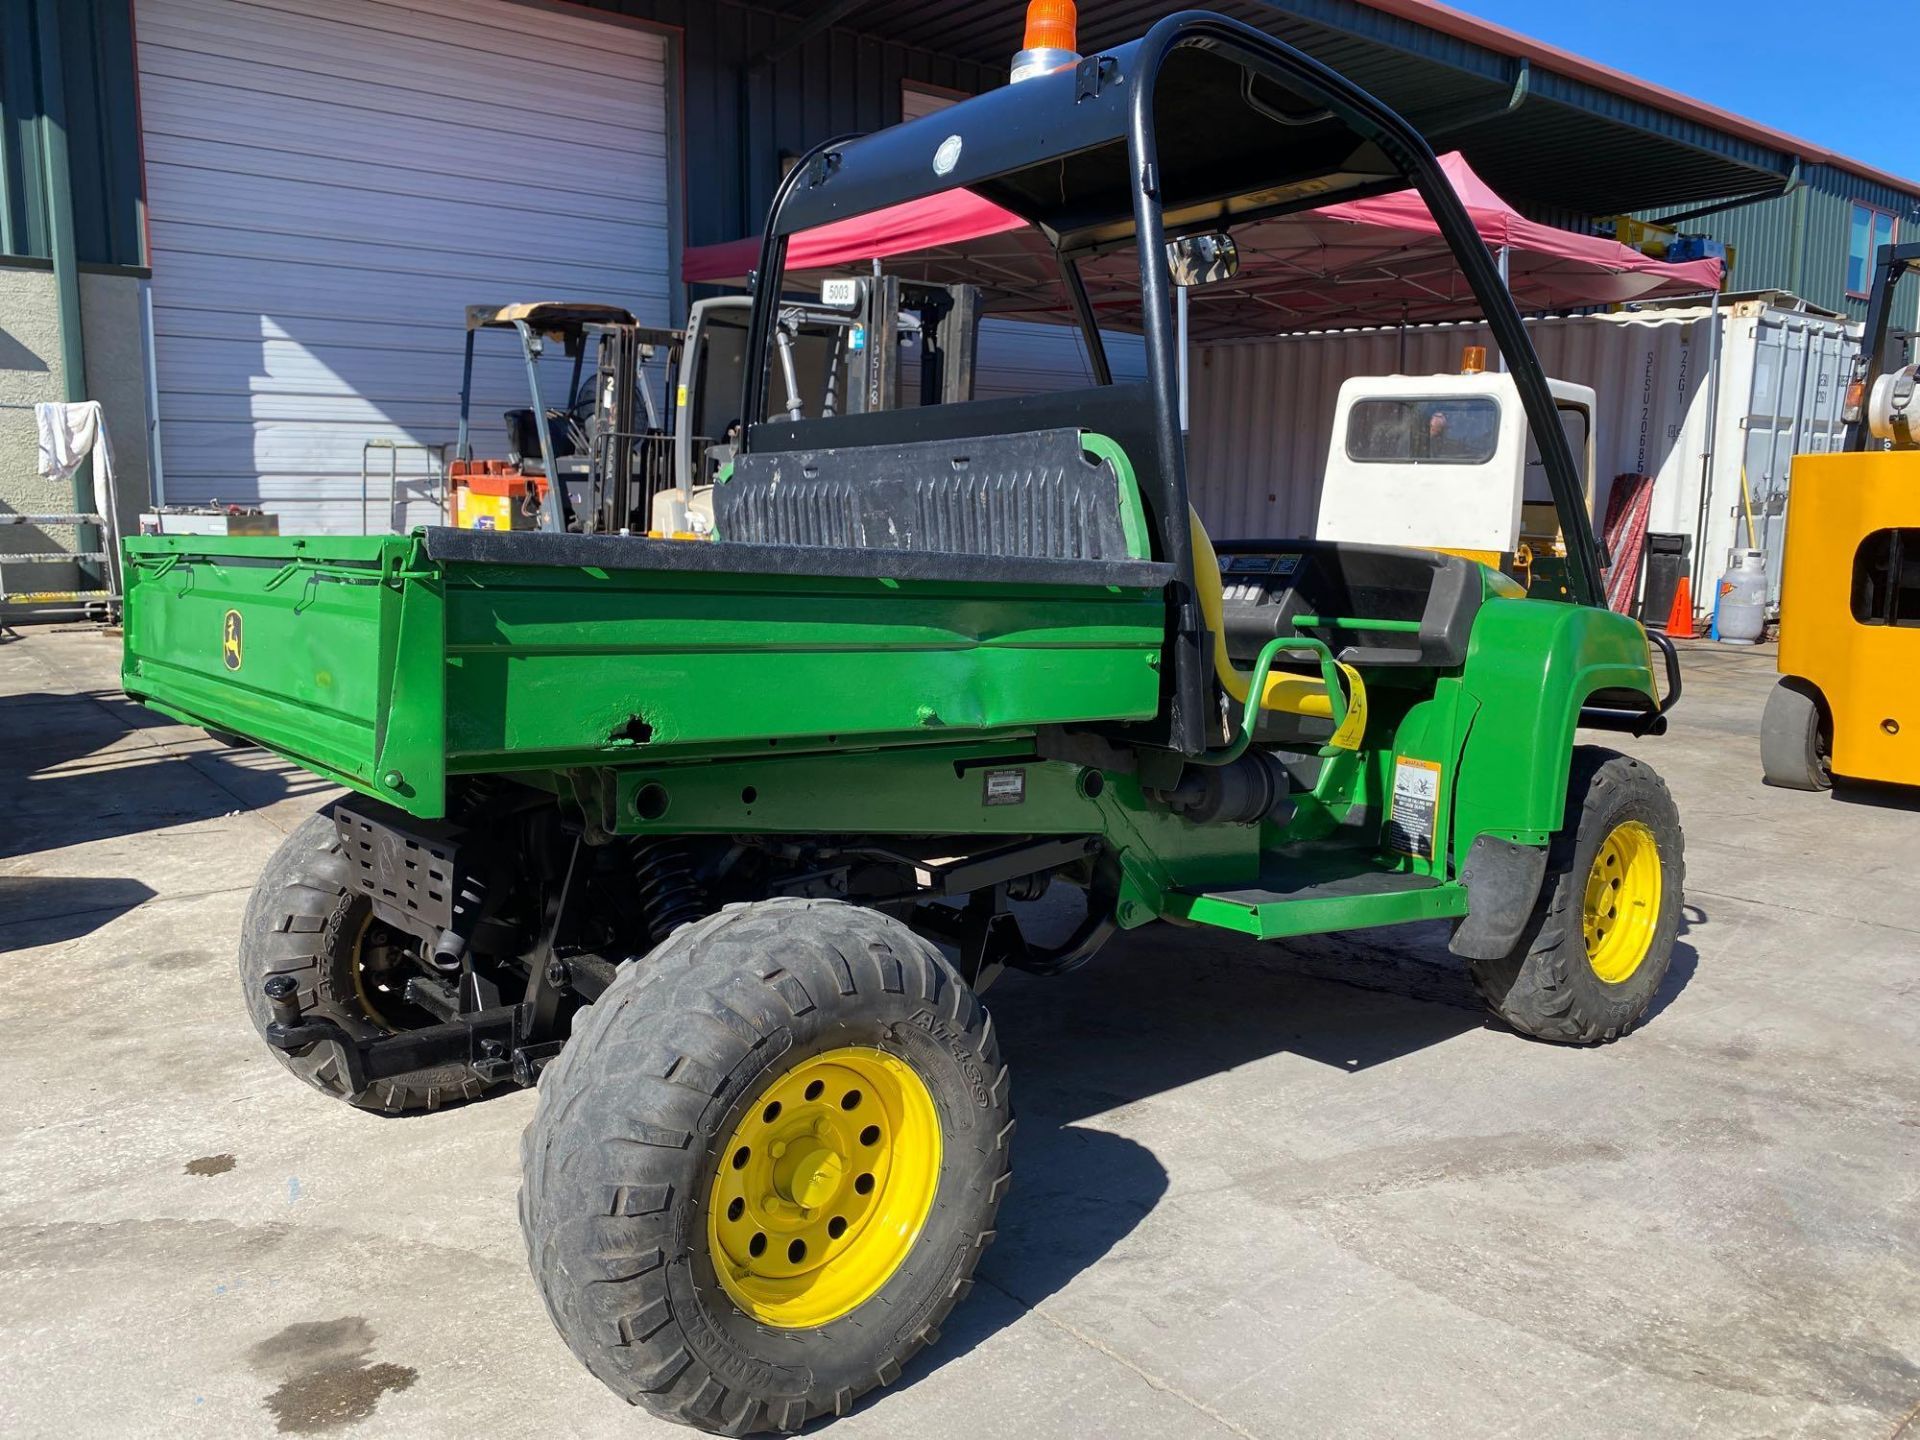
[1621, 907]
[823, 1187]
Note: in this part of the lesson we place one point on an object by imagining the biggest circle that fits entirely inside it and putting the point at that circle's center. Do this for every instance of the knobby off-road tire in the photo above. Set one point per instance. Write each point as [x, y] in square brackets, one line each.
[1559, 982]
[1795, 738]
[642, 1123]
[303, 921]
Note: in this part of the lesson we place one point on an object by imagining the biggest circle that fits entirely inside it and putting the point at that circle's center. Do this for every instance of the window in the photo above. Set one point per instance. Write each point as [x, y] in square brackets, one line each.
[1886, 578]
[917, 99]
[1424, 430]
[1869, 230]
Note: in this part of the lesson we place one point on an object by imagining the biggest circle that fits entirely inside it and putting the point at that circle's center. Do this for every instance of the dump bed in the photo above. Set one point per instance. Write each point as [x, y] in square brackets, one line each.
[390, 663]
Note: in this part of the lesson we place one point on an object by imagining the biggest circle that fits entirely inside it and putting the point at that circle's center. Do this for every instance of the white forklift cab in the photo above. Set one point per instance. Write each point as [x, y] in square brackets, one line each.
[1445, 462]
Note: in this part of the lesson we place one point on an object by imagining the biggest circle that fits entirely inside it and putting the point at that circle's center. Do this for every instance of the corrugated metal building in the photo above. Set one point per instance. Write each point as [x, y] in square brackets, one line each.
[1811, 241]
[269, 212]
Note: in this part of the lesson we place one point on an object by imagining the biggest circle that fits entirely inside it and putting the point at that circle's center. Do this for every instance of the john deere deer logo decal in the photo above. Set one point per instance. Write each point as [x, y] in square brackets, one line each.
[230, 640]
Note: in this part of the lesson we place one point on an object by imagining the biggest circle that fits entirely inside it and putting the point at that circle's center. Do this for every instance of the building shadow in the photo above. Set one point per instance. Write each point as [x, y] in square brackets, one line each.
[77, 768]
[51, 909]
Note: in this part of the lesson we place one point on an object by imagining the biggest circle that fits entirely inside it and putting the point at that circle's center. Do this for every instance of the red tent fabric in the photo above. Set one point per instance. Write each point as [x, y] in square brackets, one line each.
[949, 218]
[1361, 262]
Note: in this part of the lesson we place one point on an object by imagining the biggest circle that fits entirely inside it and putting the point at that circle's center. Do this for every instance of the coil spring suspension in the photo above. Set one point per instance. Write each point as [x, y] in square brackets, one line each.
[664, 884]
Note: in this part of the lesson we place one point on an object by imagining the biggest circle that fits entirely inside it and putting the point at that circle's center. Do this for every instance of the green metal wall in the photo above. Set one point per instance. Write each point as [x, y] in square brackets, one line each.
[1798, 242]
[95, 45]
[742, 117]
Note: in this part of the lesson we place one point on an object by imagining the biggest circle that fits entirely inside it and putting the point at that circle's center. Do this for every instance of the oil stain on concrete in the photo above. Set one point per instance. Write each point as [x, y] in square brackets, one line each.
[211, 1165]
[327, 1376]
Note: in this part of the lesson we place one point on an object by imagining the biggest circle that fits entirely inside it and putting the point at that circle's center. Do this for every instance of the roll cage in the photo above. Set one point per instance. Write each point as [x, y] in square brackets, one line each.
[1135, 146]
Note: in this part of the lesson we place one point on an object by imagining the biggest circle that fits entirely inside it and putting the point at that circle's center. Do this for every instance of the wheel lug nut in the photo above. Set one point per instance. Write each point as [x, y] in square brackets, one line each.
[779, 1148]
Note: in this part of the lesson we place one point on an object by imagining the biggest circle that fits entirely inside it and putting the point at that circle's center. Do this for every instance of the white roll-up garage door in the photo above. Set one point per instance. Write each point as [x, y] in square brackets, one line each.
[331, 182]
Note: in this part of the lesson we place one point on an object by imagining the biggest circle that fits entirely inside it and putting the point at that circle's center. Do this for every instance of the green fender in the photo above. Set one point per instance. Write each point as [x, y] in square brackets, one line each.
[1531, 665]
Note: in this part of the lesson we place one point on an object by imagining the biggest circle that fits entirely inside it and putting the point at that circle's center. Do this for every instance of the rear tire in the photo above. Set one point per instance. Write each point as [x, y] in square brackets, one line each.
[651, 1162]
[303, 921]
[1796, 738]
[1592, 957]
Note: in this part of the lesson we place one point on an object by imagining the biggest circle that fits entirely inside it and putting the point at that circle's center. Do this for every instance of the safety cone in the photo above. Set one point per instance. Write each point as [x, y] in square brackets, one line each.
[1680, 619]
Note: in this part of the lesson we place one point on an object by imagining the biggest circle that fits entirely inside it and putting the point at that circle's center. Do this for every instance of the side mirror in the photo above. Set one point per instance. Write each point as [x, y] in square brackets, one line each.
[1202, 259]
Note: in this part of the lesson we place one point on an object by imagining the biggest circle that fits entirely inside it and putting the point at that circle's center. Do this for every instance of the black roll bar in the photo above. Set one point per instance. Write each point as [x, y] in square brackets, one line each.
[1366, 117]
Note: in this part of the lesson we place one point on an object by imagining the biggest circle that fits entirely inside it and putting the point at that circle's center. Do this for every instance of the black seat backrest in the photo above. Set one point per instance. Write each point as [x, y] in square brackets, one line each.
[1266, 583]
[1036, 495]
[523, 438]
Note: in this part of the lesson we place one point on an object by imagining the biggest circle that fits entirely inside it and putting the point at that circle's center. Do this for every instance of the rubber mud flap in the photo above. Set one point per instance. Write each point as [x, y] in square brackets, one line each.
[1503, 884]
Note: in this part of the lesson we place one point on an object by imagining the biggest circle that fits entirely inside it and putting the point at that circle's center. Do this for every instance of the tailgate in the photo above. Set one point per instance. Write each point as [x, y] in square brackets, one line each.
[293, 642]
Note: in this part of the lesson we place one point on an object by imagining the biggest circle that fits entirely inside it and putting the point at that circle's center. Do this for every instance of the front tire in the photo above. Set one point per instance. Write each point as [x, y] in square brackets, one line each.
[303, 920]
[724, 1148]
[1598, 945]
[1796, 738]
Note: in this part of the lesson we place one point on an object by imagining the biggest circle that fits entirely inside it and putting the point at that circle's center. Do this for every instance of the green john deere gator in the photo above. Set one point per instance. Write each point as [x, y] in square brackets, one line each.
[719, 841]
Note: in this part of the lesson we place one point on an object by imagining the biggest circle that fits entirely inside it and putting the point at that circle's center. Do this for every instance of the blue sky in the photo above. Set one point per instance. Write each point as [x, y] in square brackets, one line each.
[1842, 76]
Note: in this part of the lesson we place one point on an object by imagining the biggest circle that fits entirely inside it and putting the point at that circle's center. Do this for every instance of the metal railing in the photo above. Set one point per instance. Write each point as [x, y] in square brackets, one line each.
[108, 595]
[435, 477]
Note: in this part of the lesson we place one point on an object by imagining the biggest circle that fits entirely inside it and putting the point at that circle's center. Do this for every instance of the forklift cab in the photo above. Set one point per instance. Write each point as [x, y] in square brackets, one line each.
[1447, 462]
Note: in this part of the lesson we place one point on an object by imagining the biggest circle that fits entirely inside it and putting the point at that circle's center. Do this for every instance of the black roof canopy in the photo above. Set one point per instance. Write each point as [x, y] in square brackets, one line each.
[1233, 144]
[1549, 142]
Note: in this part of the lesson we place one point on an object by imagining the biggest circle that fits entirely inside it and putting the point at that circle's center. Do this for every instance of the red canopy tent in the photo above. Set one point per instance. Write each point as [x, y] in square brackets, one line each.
[1363, 262]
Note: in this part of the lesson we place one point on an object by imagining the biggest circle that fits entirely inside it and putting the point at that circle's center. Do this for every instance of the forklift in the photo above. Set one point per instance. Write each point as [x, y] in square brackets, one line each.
[620, 470]
[588, 466]
[1847, 702]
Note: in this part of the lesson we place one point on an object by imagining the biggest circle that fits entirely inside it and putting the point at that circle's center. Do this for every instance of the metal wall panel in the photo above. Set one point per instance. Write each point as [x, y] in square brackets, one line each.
[1791, 372]
[334, 181]
[756, 91]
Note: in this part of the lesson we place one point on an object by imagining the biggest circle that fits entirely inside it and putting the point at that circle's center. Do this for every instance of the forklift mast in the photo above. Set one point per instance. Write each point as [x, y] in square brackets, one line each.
[1873, 367]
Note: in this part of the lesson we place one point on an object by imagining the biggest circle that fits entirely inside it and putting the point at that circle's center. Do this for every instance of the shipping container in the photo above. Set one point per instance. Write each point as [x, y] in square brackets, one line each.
[1261, 413]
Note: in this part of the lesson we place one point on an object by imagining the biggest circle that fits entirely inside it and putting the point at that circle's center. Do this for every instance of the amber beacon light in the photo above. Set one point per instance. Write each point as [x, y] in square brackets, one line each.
[1050, 39]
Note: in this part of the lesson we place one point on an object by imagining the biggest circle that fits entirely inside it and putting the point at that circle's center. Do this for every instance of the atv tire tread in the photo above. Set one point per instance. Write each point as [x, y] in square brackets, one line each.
[1544, 987]
[612, 1204]
[302, 920]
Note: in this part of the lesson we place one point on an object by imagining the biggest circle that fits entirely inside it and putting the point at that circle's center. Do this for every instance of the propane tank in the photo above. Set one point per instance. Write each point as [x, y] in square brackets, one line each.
[1893, 414]
[1050, 38]
[1740, 602]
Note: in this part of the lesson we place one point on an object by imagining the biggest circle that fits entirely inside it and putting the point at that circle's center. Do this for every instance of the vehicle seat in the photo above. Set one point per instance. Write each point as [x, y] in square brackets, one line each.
[1285, 692]
[1270, 582]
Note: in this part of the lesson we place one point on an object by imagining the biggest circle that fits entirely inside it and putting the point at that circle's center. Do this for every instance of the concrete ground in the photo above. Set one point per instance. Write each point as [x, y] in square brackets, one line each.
[1259, 1192]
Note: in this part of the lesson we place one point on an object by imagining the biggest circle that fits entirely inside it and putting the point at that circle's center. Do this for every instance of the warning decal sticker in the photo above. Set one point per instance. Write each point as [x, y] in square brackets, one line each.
[1416, 804]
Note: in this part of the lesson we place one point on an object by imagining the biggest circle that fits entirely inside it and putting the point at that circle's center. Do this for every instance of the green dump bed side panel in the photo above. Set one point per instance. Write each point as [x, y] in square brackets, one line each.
[368, 662]
[551, 664]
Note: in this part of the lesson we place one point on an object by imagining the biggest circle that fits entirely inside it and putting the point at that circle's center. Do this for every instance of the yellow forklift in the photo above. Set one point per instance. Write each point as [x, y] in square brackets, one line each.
[1848, 699]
